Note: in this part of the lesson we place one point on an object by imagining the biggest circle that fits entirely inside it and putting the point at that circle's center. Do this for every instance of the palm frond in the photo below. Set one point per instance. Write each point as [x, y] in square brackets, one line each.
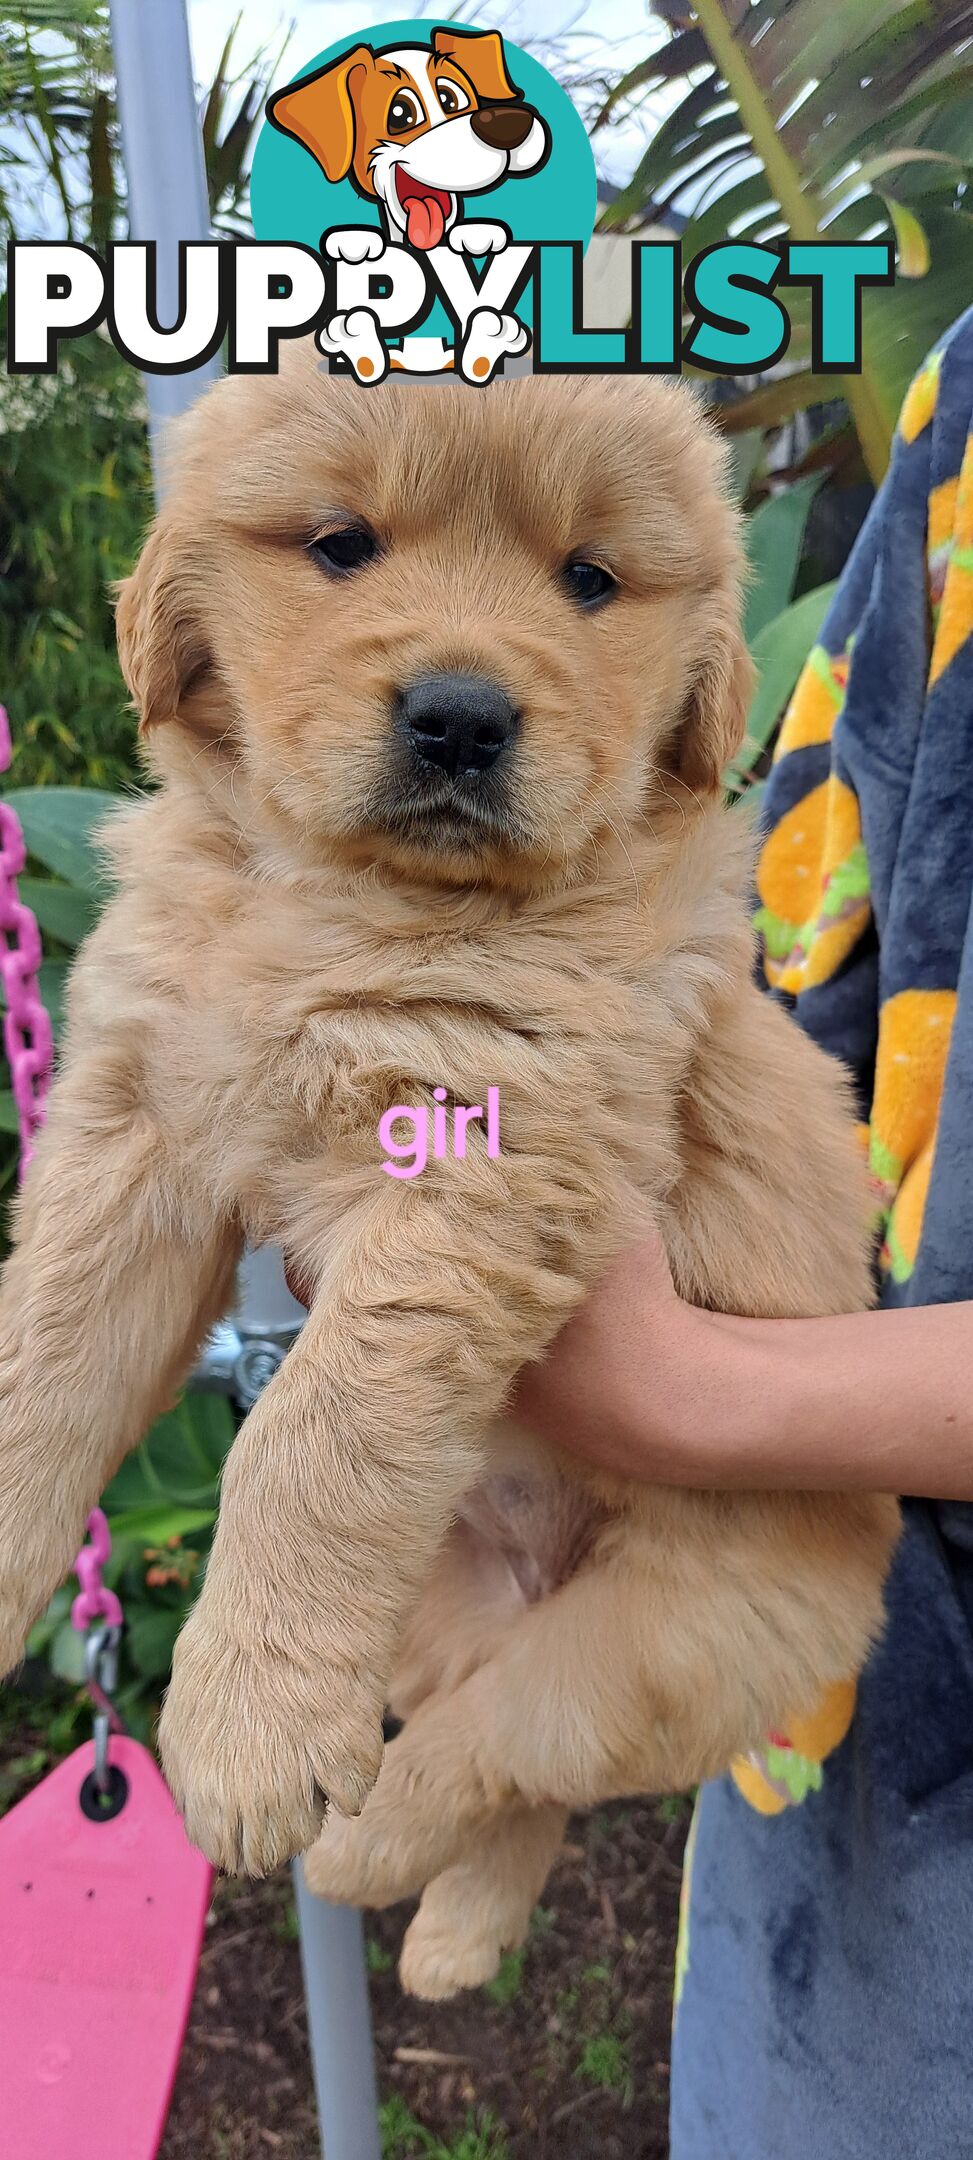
[858, 116]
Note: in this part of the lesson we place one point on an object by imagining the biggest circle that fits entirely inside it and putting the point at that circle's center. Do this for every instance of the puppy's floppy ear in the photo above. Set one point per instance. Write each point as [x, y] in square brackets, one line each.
[161, 643]
[481, 56]
[320, 111]
[714, 719]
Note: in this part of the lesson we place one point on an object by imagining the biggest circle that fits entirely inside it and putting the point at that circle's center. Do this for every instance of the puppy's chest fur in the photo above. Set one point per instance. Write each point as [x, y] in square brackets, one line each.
[584, 1016]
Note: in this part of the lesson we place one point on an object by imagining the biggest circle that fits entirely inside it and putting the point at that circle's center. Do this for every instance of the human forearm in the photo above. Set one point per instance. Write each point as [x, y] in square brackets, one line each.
[651, 1387]
[867, 1401]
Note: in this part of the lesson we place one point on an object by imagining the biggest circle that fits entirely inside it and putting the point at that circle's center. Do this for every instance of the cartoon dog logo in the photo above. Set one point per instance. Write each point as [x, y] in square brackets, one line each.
[418, 129]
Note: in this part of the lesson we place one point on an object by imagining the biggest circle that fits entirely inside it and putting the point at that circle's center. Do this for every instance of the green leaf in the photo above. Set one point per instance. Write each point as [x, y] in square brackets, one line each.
[680, 57]
[9, 1116]
[893, 160]
[681, 139]
[749, 798]
[720, 205]
[775, 402]
[66, 1655]
[156, 1525]
[63, 911]
[151, 1636]
[179, 1461]
[21, 1770]
[42, 111]
[58, 1611]
[215, 100]
[51, 978]
[774, 535]
[63, 15]
[779, 652]
[911, 240]
[900, 327]
[745, 451]
[138, 1708]
[59, 826]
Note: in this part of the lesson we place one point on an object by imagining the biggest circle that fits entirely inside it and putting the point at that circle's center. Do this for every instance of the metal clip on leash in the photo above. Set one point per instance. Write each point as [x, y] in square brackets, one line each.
[97, 1613]
[101, 1680]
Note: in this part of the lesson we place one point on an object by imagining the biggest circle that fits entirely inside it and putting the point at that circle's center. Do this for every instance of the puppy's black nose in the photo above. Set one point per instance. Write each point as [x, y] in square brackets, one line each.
[503, 127]
[458, 722]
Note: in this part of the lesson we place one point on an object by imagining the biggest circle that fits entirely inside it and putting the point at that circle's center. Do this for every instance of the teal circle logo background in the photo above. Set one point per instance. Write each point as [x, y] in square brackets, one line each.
[290, 199]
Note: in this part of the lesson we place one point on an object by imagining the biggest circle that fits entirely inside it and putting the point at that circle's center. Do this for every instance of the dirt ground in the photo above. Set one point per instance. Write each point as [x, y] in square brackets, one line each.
[564, 2057]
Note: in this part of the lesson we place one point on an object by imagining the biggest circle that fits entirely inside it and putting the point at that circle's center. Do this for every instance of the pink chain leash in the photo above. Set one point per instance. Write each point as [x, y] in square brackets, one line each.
[94, 1600]
[29, 1045]
[26, 1026]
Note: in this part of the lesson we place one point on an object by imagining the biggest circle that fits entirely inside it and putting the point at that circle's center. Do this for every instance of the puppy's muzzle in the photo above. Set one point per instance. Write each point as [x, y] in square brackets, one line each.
[502, 127]
[460, 724]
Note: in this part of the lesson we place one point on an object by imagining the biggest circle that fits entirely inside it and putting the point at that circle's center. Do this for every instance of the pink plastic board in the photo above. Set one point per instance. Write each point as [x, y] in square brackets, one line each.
[101, 1926]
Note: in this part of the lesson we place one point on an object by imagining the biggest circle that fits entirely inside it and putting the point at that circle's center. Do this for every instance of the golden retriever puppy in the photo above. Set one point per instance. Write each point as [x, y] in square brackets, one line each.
[439, 686]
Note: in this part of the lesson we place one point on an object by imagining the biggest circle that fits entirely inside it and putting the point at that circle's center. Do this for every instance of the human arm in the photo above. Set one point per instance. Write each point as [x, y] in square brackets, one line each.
[650, 1387]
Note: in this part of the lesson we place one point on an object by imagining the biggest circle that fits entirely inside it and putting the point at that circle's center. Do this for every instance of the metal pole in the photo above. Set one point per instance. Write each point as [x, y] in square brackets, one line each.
[167, 198]
[339, 2021]
[168, 202]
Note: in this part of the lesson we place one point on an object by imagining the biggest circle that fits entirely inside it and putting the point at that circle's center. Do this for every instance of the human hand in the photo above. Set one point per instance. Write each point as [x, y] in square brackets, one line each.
[630, 1379]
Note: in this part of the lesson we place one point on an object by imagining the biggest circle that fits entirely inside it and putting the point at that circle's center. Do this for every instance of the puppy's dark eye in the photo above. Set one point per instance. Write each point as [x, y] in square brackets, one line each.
[588, 583]
[342, 553]
[404, 113]
[451, 97]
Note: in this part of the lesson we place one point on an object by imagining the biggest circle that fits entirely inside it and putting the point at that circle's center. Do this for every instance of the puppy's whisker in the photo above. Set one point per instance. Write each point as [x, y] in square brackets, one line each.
[676, 780]
[371, 800]
[626, 825]
[613, 828]
[589, 835]
[246, 830]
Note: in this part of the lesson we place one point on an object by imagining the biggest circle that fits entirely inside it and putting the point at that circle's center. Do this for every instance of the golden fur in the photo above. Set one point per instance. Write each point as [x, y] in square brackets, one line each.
[285, 959]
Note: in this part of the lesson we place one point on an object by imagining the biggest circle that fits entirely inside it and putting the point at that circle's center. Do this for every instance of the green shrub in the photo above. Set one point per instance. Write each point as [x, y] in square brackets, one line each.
[74, 500]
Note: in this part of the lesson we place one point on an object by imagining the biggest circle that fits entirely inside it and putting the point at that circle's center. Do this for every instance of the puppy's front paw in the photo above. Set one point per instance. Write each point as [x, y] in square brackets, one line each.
[257, 1740]
[489, 336]
[355, 337]
[355, 245]
[482, 239]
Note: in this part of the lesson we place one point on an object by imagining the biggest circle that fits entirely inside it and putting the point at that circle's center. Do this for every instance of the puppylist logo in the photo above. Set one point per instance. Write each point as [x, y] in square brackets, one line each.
[422, 200]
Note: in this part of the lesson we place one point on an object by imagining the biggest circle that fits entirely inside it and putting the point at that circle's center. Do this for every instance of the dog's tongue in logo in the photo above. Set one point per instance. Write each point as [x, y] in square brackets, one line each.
[426, 209]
